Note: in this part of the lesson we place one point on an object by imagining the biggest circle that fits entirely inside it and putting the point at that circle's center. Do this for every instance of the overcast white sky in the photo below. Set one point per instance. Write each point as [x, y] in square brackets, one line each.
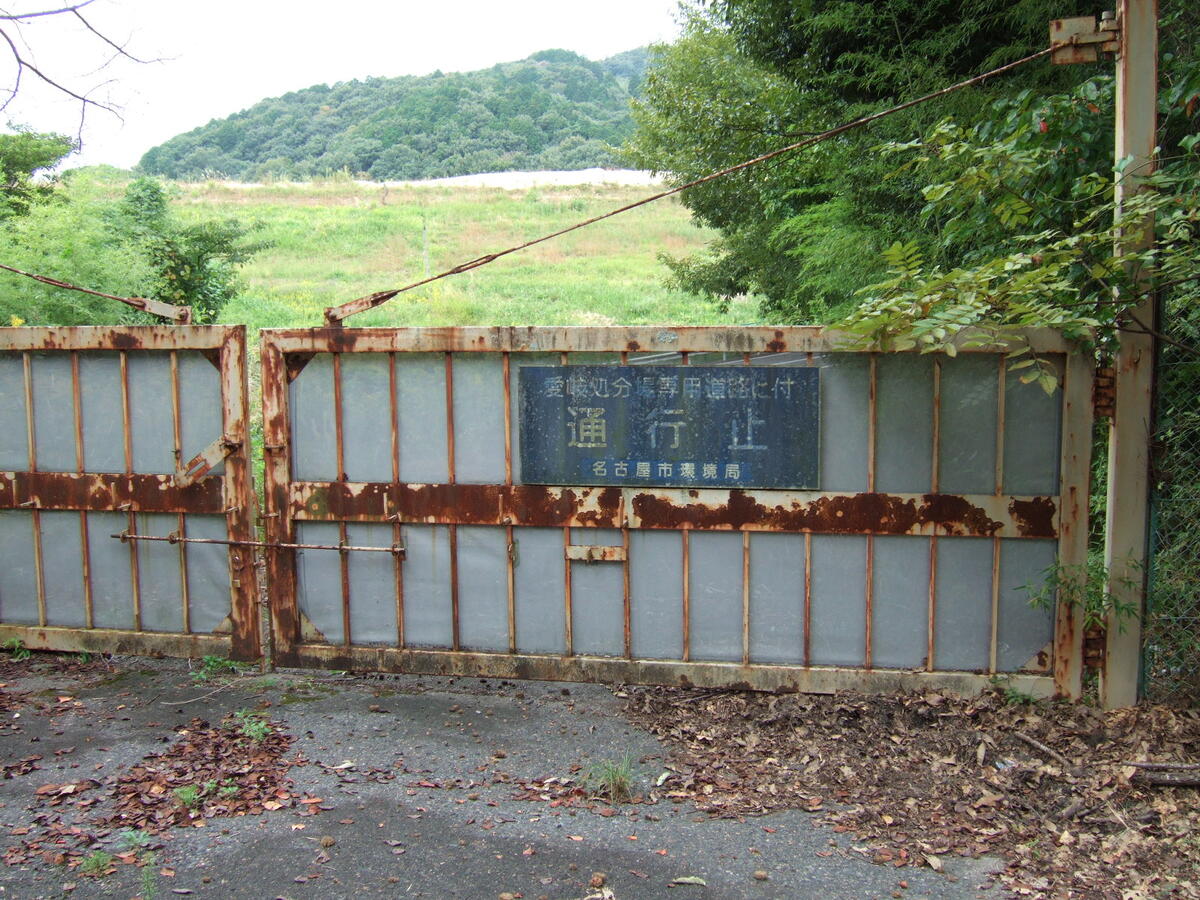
[220, 56]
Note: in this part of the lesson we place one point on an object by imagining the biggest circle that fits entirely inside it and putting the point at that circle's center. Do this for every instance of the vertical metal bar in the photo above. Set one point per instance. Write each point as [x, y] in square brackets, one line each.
[127, 426]
[930, 647]
[995, 611]
[1075, 466]
[872, 420]
[935, 487]
[510, 575]
[570, 639]
[807, 598]
[280, 527]
[239, 497]
[344, 560]
[30, 441]
[998, 488]
[687, 594]
[397, 528]
[450, 416]
[338, 419]
[508, 468]
[872, 393]
[745, 598]
[1132, 427]
[35, 515]
[511, 585]
[85, 551]
[563, 359]
[626, 597]
[181, 523]
[455, 626]
[339, 415]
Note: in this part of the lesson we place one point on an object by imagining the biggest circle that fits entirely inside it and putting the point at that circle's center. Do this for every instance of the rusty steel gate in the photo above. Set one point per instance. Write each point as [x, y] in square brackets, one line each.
[115, 443]
[945, 485]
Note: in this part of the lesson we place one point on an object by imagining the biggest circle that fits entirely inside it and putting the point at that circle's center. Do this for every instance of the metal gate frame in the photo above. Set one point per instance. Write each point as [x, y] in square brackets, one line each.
[193, 490]
[285, 352]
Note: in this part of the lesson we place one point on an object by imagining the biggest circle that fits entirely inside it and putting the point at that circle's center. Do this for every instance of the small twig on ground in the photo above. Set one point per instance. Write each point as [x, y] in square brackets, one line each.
[201, 697]
[1167, 779]
[1165, 766]
[1042, 748]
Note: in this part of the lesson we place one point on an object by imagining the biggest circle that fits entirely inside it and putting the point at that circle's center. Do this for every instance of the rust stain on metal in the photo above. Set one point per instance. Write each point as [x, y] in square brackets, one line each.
[1035, 517]
[103, 492]
[633, 345]
[954, 515]
[778, 345]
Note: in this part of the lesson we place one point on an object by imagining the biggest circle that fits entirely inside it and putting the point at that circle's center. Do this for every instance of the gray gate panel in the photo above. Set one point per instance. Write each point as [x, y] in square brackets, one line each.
[516, 361]
[152, 418]
[428, 612]
[1032, 436]
[900, 602]
[597, 594]
[367, 417]
[372, 585]
[777, 598]
[199, 405]
[482, 586]
[539, 573]
[160, 577]
[716, 596]
[904, 423]
[319, 580]
[479, 419]
[967, 427]
[962, 629]
[103, 415]
[838, 601]
[1023, 631]
[18, 574]
[14, 448]
[63, 575]
[208, 574]
[112, 603]
[421, 399]
[656, 595]
[53, 412]
[845, 414]
[314, 426]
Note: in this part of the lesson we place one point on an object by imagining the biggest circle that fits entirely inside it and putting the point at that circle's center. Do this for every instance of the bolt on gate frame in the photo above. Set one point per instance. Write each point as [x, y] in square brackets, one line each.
[946, 484]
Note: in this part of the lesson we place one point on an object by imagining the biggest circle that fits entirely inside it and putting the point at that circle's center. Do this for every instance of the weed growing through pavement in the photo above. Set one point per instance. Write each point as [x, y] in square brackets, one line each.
[17, 650]
[611, 779]
[214, 666]
[96, 863]
[252, 725]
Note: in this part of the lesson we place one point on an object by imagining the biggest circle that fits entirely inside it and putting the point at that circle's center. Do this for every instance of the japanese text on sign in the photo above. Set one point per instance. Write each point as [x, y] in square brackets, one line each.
[752, 426]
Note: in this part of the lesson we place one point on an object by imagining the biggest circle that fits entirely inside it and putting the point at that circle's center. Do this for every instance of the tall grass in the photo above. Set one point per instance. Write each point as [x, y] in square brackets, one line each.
[334, 241]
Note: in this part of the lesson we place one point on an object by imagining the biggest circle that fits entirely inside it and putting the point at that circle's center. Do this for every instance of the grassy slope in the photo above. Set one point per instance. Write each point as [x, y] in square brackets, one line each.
[332, 242]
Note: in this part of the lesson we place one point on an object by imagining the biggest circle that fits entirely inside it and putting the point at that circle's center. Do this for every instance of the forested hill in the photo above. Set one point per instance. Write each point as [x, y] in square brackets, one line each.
[554, 110]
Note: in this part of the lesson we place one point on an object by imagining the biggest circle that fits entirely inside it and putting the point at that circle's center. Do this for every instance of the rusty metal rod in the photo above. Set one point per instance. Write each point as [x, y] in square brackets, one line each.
[125, 536]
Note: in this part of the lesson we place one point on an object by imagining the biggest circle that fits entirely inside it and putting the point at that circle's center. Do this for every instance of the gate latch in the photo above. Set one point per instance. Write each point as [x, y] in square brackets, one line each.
[206, 460]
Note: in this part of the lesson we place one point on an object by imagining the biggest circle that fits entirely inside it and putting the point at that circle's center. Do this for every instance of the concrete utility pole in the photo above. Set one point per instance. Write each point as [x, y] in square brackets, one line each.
[1131, 429]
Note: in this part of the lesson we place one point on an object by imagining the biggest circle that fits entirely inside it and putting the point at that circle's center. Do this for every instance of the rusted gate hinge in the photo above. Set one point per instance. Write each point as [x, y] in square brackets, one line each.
[1081, 39]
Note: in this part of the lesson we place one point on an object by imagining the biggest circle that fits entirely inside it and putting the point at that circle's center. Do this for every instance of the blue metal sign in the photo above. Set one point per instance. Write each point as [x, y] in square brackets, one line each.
[694, 426]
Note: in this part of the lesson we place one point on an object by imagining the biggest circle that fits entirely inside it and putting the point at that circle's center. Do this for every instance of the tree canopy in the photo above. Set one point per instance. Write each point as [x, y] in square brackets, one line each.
[807, 231]
[554, 110]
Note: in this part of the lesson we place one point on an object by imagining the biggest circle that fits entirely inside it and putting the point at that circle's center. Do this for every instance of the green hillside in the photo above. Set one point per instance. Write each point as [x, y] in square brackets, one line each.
[554, 110]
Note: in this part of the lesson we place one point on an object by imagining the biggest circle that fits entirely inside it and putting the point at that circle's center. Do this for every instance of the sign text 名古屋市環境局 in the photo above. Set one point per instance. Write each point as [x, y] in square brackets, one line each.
[693, 426]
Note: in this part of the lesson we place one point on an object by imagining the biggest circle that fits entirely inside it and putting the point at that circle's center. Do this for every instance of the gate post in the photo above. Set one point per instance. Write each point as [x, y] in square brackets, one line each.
[1127, 520]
